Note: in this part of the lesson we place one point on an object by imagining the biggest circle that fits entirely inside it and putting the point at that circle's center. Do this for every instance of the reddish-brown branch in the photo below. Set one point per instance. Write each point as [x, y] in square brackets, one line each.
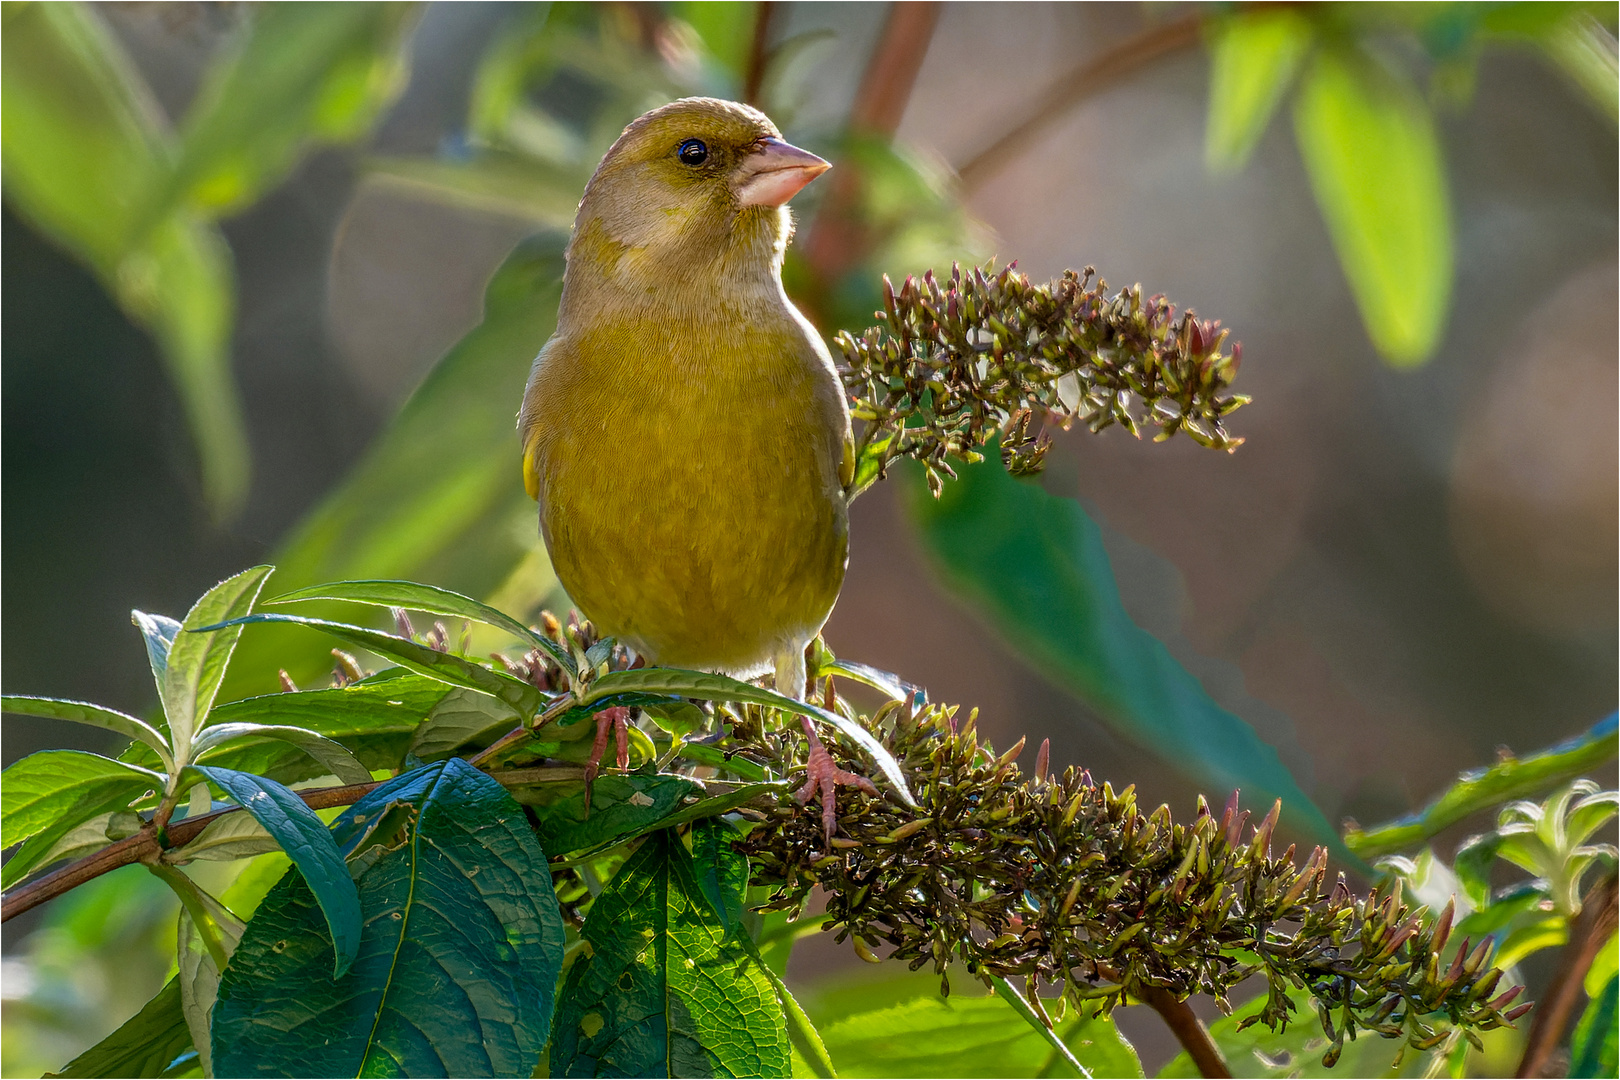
[1082, 82]
[759, 52]
[838, 240]
[1587, 933]
[144, 846]
[1189, 1031]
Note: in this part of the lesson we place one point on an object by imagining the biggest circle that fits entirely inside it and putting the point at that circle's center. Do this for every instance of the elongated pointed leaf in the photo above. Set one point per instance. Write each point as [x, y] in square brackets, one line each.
[1035, 565]
[894, 687]
[434, 601]
[143, 1046]
[1007, 992]
[439, 488]
[1253, 58]
[198, 657]
[158, 631]
[331, 755]
[307, 841]
[458, 965]
[1374, 162]
[709, 687]
[82, 712]
[40, 851]
[305, 73]
[621, 806]
[524, 699]
[228, 837]
[53, 791]
[199, 974]
[1595, 1048]
[668, 988]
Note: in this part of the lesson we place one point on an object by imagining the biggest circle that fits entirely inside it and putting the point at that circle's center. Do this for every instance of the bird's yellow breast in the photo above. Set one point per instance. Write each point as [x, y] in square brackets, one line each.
[688, 475]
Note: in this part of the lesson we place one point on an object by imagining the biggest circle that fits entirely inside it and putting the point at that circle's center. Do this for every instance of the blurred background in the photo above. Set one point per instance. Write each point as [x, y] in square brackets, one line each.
[303, 337]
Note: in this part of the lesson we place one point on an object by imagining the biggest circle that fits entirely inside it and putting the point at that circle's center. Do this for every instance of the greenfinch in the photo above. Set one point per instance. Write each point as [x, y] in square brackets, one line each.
[684, 430]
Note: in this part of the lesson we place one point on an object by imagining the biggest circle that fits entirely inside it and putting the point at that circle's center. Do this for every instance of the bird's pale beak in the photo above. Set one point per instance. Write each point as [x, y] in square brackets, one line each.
[776, 172]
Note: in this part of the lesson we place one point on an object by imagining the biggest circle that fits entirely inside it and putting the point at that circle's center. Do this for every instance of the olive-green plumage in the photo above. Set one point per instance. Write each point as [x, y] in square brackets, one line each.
[684, 430]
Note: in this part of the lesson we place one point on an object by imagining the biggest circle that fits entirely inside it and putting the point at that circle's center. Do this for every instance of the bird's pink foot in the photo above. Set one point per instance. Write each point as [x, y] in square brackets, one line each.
[822, 778]
[616, 720]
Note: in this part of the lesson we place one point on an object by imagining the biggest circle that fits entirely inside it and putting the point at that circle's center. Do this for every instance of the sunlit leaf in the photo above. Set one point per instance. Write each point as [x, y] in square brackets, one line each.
[81, 712]
[1375, 165]
[1253, 57]
[332, 756]
[198, 657]
[143, 1046]
[53, 791]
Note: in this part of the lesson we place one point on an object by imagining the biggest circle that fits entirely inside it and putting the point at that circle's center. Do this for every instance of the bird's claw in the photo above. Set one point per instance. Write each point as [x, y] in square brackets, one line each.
[617, 720]
[822, 778]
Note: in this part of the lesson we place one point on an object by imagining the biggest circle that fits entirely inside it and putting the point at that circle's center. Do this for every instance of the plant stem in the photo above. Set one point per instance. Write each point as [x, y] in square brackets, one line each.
[144, 847]
[1587, 933]
[1188, 1029]
[759, 52]
[1082, 82]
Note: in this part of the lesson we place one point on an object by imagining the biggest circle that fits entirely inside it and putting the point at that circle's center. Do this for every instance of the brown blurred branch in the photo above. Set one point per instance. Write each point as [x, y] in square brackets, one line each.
[759, 53]
[1189, 1030]
[1084, 81]
[838, 239]
[1587, 934]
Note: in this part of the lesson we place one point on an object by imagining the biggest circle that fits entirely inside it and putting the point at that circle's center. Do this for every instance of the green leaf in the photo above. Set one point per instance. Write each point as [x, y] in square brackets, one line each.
[198, 657]
[1512, 778]
[1374, 162]
[82, 712]
[458, 965]
[37, 854]
[1036, 566]
[332, 756]
[968, 1036]
[461, 717]
[524, 700]
[669, 988]
[226, 838]
[891, 685]
[1585, 52]
[1007, 992]
[438, 492]
[1604, 966]
[495, 181]
[143, 1046]
[53, 791]
[158, 632]
[709, 687]
[85, 151]
[307, 841]
[1253, 57]
[434, 601]
[199, 972]
[621, 805]
[1593, 1050]
[303, 74]
[716, 758]
[808, 1045]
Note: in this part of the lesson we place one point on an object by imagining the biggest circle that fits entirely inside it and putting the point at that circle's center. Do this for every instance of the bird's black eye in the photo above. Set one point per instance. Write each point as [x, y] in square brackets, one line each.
[693, 152]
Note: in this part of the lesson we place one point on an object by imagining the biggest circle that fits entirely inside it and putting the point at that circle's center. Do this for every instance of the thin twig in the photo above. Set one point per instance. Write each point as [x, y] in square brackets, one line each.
[1082, 82]
[759, 51]
[144, 846]
[1587, 933]
[1188, 1029]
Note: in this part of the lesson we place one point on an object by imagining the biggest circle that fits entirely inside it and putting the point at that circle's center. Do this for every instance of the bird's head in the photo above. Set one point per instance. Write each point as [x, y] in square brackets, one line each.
[691, 189]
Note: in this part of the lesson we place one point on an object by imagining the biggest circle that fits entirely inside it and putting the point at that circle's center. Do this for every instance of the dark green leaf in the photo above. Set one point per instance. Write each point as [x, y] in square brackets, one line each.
[198, 657]
[434, 601]
[143, 1046]
[669, 989]
[1375, 166]
[1036, 566]
[1253, 57]
[709, 687]
[1593, 1050]
[714, 757]
[81, 712]
[459, 961]
[1512, 778]
[968, 1036]
[438, 493]
[524, 699]
[307, 841]
[621, 805]
[305, 73]
[49, 793]
[460, 718]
